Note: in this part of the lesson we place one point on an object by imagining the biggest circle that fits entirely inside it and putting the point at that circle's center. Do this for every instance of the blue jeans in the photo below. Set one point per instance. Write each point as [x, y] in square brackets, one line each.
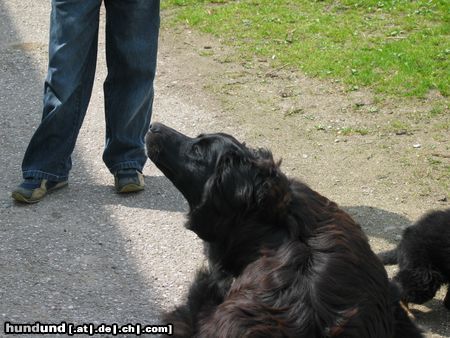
[132, 28]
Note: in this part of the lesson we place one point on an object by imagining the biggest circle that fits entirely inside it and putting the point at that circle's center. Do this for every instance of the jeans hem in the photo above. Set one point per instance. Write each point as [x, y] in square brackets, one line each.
[43, 175]
[125, 165]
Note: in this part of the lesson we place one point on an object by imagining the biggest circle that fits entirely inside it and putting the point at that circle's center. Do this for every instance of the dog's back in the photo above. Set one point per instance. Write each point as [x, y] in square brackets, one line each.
[298, 291]
[330, 284]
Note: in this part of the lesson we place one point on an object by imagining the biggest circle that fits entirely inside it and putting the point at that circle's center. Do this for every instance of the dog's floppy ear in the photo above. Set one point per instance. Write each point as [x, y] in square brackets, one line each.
[251, 180]
[232, 183]
[224, 194]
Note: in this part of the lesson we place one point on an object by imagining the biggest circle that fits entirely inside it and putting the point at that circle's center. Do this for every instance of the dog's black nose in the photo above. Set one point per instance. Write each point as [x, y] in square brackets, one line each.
[155, 127]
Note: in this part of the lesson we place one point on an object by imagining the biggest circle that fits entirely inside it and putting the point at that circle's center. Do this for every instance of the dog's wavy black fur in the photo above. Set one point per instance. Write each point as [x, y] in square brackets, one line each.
[423, 256]
[284, 261]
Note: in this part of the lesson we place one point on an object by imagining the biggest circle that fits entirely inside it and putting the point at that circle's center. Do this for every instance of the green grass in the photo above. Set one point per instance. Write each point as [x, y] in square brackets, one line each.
[398, 126]
[395, 47]
[437, 110]
[347, 131]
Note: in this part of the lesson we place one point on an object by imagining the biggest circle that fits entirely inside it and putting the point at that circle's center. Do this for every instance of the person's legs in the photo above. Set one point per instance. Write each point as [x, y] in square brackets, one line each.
[132, 28]
[67, 91]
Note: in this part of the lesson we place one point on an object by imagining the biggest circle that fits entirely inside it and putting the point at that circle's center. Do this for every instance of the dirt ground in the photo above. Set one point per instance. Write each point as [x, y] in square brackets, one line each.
[386, 161]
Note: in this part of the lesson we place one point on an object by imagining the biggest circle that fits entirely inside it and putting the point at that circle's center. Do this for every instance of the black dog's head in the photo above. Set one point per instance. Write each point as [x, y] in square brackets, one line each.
[418, 285]
[219, 177]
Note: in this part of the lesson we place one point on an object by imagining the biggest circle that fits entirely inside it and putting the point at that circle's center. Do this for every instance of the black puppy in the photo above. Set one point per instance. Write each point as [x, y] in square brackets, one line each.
[284, 261]
[423, 256]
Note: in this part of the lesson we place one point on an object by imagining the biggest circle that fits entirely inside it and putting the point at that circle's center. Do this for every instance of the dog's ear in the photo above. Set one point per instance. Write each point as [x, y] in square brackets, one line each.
[232, 183]
[251, 180]
[224, 195]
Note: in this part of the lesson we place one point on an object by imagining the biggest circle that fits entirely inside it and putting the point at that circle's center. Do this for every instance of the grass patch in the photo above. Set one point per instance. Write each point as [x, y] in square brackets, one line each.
[438, 110]
[347, 131]
[206, 53]
[395, 47]
[398, 127]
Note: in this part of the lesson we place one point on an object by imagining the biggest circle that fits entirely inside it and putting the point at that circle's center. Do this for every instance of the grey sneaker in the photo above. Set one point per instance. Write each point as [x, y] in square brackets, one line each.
[128, 180]
[32, 190]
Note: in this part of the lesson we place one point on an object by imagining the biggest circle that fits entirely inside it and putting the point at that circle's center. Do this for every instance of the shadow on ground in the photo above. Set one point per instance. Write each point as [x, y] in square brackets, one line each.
[160, 195]
[379, 223]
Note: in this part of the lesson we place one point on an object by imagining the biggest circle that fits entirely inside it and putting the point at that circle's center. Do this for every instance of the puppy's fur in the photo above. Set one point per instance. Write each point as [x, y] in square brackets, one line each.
[284, 261]
[423, 256]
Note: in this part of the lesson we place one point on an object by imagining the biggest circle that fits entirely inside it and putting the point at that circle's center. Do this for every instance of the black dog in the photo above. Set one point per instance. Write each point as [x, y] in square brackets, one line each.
[423, 256]
[284, 261]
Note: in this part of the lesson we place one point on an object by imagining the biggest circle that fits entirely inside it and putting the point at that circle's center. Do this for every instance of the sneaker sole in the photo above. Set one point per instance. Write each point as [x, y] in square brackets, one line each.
[21, 198]
[130, 188]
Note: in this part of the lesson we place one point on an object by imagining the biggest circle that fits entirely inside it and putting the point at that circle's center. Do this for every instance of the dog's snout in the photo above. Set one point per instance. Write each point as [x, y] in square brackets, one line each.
[155, 127]
[161, 130]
